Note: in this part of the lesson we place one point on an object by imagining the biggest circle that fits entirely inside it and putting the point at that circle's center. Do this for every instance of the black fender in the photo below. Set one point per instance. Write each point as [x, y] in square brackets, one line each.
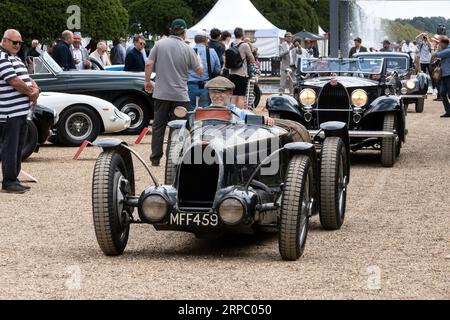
[384, 104]
[338, 129]
[307, 149]
[119, 146]
[390, 104]
[283, 103]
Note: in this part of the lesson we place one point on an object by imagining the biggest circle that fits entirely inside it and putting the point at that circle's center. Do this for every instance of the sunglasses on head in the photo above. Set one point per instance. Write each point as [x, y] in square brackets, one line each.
[15, 43]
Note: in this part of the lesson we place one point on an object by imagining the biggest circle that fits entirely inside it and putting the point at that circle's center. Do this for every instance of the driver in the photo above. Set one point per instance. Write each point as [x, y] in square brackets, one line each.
[221, 92]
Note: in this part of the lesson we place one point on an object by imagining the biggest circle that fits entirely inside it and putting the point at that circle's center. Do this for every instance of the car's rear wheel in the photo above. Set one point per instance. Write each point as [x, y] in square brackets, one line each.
[420, 104]
[31, 141]
[136, 108]
[296, 205]
[173, 151]
[111, 217]
[389, 146]
[77, 124]
[333, 183]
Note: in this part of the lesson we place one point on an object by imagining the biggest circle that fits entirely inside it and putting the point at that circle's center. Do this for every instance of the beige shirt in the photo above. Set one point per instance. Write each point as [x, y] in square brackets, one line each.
[246, 53]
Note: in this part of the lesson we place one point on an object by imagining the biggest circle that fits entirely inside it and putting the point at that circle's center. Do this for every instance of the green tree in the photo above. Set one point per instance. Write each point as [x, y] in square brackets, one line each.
[154, 17]
[45, 20]
[322, 8]
[200, 8]
[292, 15]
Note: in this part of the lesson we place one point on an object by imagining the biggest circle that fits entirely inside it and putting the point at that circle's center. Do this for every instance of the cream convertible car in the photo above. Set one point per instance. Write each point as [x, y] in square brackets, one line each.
[82, 117]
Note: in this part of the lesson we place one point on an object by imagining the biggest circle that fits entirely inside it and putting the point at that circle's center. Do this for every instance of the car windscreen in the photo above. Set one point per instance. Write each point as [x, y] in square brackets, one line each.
[49, 61]
[396, 64]
[361, 65]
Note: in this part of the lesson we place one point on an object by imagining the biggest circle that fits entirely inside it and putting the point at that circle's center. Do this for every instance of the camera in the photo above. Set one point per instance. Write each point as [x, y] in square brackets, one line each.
[441, 30]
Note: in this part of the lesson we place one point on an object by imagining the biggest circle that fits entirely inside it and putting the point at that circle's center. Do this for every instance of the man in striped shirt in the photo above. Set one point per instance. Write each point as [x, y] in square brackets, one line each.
[18, 93]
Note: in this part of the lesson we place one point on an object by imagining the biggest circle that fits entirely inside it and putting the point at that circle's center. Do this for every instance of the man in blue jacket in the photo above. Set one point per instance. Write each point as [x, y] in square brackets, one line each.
[444, 55]
[61, 52]
[134, 60]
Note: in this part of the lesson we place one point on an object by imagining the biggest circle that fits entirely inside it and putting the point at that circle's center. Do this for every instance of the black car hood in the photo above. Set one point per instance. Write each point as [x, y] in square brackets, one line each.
[349, 82]
[226, 135]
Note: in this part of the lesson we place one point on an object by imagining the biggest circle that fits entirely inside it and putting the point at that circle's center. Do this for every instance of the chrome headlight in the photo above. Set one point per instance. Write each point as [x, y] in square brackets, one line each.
[308, 97]
[410, 84]
[359, 98]
[404, 91]
[231, 211]
[154, 208]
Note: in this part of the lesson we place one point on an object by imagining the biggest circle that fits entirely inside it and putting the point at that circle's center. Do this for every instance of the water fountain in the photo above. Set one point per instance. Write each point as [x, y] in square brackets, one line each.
[367, 26]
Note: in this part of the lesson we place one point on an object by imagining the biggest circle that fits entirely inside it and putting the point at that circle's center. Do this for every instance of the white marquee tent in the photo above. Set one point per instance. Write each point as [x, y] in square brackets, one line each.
[229, 14]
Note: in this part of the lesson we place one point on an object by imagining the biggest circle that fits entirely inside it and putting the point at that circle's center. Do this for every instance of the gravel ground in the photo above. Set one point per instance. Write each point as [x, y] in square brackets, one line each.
[394, 243]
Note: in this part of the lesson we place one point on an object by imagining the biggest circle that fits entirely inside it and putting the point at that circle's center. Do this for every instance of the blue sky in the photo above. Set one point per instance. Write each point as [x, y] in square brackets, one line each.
[406, 9]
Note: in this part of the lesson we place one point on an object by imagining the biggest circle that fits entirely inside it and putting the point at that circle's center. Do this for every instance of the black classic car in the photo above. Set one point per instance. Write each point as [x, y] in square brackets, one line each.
[123, 89]
[354, 91]
[411, 86]
[39, 130]
[225, 175]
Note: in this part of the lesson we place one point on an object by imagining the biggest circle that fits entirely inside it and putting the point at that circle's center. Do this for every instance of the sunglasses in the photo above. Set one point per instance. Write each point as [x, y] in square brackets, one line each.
[15, 43]
[142, 43]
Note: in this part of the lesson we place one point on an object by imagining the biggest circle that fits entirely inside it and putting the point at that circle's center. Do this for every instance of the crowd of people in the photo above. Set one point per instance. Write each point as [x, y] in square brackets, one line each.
[290, 51]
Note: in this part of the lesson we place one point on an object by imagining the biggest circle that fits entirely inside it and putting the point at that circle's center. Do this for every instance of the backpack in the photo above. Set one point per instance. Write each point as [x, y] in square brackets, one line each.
[233, 58]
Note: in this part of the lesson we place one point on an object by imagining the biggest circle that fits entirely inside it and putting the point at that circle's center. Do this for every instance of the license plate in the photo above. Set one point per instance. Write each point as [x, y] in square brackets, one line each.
[194, 219]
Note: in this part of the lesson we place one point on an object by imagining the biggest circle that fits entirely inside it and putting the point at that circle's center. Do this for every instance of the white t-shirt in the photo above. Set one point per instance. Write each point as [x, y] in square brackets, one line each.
[77, 55]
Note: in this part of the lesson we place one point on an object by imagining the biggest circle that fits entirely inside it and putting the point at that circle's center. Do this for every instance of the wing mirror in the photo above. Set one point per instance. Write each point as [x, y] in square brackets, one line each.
[180, 112]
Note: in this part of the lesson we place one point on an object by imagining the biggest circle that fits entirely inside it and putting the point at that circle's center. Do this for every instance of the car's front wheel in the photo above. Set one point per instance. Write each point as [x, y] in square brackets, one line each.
[333, 183]
[111, 216]
[389, 145]
[137, 109]
[77, 124]
[296, 205]
[420, 105]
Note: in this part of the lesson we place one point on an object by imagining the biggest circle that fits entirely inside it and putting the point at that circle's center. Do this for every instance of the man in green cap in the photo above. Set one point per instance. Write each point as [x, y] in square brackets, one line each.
[173, 58]
[221, 92]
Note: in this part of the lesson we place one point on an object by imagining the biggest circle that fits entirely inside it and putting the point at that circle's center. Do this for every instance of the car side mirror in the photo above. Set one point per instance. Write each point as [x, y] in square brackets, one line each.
[180, 112]
[254, 120]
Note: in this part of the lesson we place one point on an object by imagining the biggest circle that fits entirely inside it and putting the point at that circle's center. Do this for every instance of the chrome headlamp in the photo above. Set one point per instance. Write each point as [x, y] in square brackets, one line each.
[410, 84]
[359, 98]
[308, 97]
[231, 211]
[154, 208]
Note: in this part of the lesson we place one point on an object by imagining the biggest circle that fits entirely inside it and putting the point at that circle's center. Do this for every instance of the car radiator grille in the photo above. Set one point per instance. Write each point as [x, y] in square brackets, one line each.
[333, 102]
[197, 185]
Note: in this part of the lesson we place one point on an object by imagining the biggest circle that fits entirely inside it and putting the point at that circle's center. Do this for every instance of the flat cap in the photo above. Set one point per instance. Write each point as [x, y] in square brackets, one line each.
[220, 83]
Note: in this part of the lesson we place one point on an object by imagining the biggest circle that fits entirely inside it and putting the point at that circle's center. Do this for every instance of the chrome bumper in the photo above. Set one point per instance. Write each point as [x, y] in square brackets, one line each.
[413, 96]
[360, 134]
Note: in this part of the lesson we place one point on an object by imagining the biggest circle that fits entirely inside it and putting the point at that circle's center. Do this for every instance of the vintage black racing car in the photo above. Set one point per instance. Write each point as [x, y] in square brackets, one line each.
[353, 91]
[225, 175]
[411, 86]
